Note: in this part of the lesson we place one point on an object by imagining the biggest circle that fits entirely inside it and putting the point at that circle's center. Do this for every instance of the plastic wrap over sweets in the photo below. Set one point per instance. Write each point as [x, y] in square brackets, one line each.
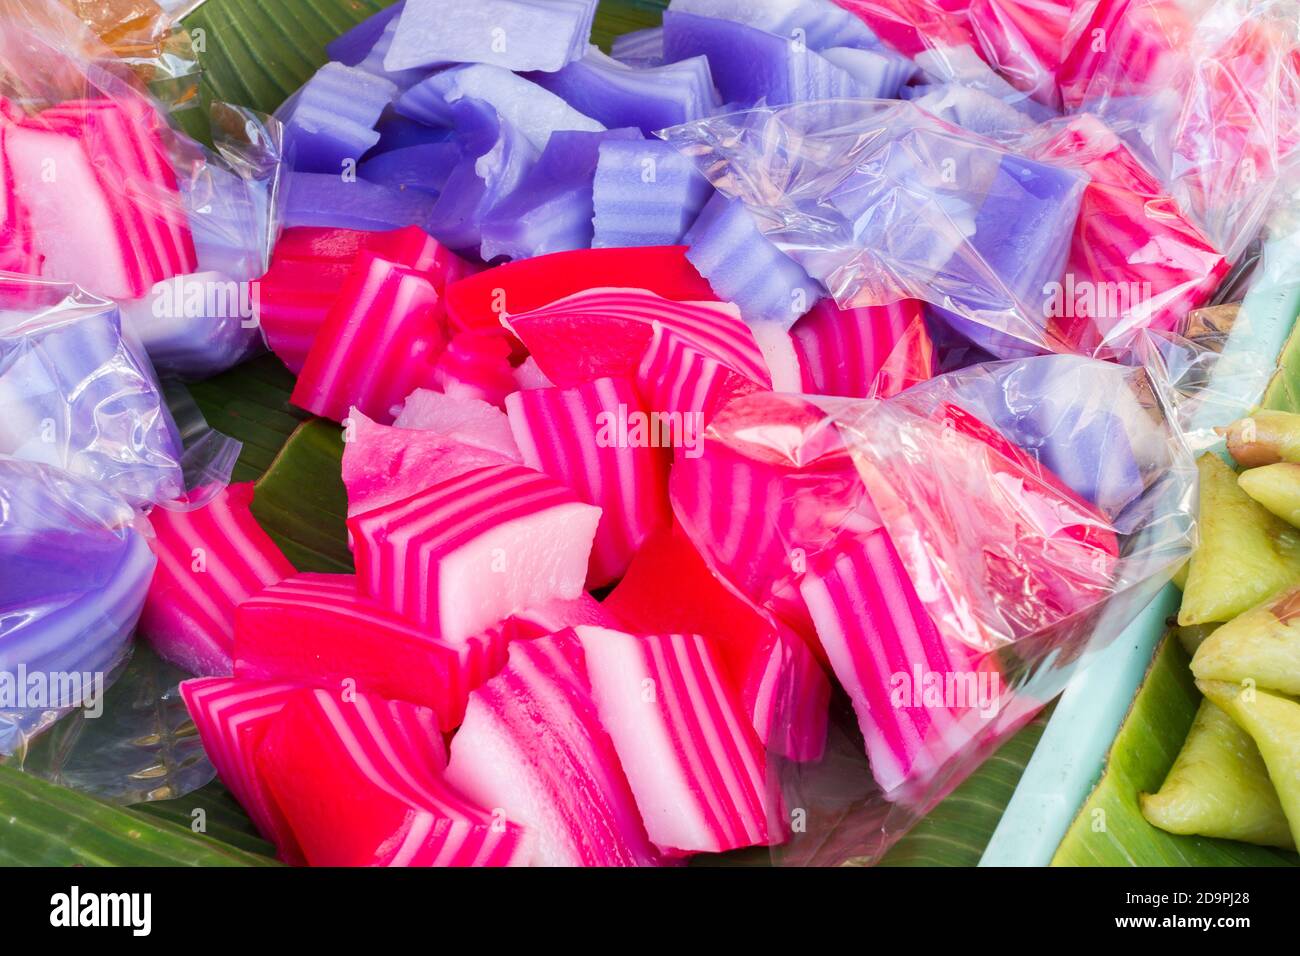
[97, 189]
[1205, 92]
[1020, 41]
[880, 201]
[76, 572]
[951, 555]
[77, 393]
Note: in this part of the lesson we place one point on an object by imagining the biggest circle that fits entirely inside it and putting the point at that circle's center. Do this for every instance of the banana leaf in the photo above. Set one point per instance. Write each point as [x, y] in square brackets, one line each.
[251, 403]
[957, 831]
[1110, 829]
[46, 825]
[1283, 393]
[301, 502]
[218, 814]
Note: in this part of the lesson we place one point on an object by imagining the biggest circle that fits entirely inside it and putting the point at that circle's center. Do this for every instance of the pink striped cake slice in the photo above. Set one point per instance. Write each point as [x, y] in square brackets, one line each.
[533, 744]
[579, 437]
[210, 560]
[470, 551]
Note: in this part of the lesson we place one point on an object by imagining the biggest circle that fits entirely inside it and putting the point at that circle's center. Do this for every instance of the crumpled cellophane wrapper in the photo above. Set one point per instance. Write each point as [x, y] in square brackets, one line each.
[75, 576]
[100, 189]
[89, 439]
[77, 393]
[879, 201]
[975, 537]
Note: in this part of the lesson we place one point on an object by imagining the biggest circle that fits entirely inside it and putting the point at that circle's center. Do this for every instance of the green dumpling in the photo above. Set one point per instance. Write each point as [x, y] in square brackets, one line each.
[1218, 787]
[1262, 645]
[1246, 555]
[1274, 723]
[1277, 488]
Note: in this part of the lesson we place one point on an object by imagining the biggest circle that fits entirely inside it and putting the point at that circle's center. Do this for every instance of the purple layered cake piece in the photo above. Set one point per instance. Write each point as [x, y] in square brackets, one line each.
[332, 119]
[751, 66]
[744, 266]
[552, 209]
[646, 193]
[352, 47]
[816, 24]
[649, 98]
[327, 199]
[496, 156]
[425, 167]
[535, 112]
[515, 35]
[639, 48]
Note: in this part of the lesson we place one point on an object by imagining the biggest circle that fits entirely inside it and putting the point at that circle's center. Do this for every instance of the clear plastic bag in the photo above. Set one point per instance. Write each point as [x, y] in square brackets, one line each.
[76, 572]
[1055, 239]
[135, 744]
[99, 190]
[880, 201]
[77, 393]
[89, 437]
[1205, 92]
[953, 554]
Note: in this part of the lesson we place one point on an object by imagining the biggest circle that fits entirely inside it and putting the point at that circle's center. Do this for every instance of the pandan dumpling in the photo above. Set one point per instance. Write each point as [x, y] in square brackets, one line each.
[1218, 787]
[1262, 645]
[1245, 556]
[1265, 438]
[1274, 723]
[1277, 488]
[1193, 637]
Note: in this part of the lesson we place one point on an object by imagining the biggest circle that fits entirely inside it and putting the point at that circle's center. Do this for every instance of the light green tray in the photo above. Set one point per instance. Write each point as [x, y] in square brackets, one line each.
[1070, 758]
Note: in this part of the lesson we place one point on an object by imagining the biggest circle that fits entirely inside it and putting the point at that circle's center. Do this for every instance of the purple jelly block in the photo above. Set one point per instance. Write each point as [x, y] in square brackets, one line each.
[75, 578]
[640, 47]
[750, 66]
[744, 267]
[645, 193]
[76, 394]
[375, 62]
[426, 167]
[534, 112]
[398, 132]
[496, 157]
[1078, 417]
[813, 23]
[1023, 227]
[322, 199]
[351, 48]
[551, 211]
[881, 74]
[513, 34]
[332, 120]
[649, 98]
